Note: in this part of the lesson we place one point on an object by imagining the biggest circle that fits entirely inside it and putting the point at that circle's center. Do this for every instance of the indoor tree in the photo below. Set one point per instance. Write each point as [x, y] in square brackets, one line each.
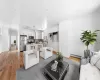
[88, 37]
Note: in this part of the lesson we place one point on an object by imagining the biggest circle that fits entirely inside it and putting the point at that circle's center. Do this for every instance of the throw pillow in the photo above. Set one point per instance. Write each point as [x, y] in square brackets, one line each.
[98, 64]
[94, 59]
[96, 53]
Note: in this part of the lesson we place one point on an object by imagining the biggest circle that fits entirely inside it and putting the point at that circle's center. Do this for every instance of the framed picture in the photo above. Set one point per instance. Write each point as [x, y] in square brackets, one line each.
[54, 36]
[51, 36]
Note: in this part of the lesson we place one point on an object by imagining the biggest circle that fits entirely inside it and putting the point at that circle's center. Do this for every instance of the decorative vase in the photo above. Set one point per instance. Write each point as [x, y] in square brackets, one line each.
[86, 53]
[54, 66]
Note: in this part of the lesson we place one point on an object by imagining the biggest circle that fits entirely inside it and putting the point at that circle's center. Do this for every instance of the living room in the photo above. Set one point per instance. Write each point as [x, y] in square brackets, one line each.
[49, 40]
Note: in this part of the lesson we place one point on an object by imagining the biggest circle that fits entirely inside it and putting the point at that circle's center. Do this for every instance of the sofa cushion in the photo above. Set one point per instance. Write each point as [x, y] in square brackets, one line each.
[89, 72]
[32, 55]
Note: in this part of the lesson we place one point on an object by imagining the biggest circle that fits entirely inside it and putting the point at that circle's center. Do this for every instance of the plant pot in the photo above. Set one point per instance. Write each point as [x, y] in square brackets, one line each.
[86, 53]
[60, 64]
[59, 59]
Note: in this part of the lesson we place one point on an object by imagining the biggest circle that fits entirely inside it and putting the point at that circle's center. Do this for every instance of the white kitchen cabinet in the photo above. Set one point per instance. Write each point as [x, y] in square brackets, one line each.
[38, 34]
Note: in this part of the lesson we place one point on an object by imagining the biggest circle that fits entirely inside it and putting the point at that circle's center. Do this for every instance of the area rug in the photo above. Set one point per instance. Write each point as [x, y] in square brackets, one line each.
[36, 72]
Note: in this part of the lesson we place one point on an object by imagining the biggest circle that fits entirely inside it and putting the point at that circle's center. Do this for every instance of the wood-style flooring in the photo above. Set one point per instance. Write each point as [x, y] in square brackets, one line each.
[74, 58]
[9, 63]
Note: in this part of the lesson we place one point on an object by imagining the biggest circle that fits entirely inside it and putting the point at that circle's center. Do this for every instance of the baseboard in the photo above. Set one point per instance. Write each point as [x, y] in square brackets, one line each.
[77, 56]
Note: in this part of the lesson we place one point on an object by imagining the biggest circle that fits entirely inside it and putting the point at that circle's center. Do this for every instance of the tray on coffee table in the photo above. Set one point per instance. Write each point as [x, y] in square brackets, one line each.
[59, 74]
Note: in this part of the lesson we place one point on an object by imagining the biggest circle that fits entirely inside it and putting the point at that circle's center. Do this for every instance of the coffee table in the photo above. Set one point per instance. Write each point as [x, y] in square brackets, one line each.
[62, 69]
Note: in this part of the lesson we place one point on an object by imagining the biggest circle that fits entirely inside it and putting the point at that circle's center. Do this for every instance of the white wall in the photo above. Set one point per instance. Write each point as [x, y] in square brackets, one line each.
[96, 24]
[70, 32]
[54, 45]
[36, 33]
[0, 45]
[27, 32]
[9, 17]
[5, 39]
[13, 38]
[51, 29]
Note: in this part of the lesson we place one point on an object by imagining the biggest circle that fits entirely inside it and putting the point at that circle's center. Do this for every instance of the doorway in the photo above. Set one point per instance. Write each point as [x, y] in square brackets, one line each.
[13, 34]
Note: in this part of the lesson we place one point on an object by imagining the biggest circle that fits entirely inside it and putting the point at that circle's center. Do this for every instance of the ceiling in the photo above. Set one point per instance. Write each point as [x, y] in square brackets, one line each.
[35, 12]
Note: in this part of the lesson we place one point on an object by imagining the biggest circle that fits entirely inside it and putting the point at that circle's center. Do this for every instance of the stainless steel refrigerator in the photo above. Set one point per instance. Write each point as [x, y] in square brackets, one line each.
[23, 42]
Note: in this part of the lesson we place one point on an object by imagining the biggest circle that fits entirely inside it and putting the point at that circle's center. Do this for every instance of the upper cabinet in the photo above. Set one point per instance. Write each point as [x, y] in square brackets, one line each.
[27, 32]
[38, 34]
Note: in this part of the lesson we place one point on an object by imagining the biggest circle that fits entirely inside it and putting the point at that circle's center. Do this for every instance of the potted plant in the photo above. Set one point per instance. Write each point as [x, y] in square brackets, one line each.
[15, 42]
[88, 37]
[59, 57]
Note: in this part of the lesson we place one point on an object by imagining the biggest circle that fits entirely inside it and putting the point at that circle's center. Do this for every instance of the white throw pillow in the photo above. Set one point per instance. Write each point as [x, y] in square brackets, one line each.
[98, 64]
[94, 59]
[96, 53]
[89, 72]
